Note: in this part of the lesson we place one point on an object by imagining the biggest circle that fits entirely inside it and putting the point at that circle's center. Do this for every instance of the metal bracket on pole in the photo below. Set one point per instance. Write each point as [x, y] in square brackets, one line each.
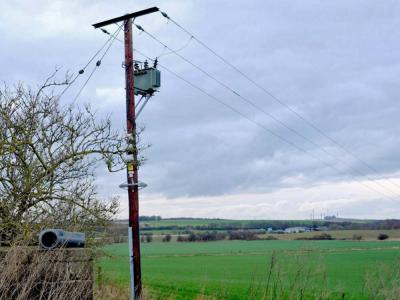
[147, 98]
[126, 185]
[126, 17]
[140, 100]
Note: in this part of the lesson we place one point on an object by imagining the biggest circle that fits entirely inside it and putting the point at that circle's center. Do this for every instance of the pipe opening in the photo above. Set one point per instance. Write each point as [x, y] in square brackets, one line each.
[49, 239]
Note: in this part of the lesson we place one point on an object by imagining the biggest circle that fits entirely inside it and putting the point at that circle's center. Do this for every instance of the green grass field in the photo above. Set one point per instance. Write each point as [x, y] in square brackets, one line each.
[232, 269]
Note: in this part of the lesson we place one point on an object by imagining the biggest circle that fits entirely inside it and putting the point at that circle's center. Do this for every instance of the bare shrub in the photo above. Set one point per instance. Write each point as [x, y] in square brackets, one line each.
[167, 238]
[383, 236]
[181, 238]
[48, 156]
[149, 238]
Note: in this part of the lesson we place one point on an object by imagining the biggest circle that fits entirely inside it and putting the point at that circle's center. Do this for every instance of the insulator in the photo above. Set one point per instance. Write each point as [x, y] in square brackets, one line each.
[128, 158]
[130, 138]
[165, 15]
[155, 63]
[146, 64]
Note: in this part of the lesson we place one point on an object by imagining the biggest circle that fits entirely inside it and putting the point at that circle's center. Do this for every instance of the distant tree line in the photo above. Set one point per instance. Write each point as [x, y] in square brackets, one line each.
[275, 225]
[202, 237]
[373, 225]
[237, 225]
[243, 235]
[210, 236]
[318, 237]
[150, 218]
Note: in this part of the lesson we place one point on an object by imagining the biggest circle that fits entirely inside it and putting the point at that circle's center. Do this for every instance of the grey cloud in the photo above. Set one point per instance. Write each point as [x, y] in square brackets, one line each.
[336, 63]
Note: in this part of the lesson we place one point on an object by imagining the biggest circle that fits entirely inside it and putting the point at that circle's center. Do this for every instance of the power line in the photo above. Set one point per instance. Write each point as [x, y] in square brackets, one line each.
[98, 62]
[281, 102]
[257, 107]
[81, 71]
[261, 125]
[177, 50]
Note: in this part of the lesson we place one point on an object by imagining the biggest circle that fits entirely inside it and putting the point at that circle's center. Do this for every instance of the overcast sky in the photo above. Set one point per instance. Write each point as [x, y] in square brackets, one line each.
[337, 63]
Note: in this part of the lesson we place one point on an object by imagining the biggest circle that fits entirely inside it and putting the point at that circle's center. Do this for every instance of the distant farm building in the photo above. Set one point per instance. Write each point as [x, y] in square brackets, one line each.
[296, 229]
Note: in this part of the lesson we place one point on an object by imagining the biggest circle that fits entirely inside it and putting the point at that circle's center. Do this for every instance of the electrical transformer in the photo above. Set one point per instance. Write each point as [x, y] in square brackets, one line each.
[147, 81]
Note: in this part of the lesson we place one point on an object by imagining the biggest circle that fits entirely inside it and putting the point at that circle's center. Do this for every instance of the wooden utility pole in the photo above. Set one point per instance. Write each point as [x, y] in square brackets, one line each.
[132, 166]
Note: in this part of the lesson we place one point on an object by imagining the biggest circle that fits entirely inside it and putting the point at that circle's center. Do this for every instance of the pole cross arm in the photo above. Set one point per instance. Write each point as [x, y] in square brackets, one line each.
[127, 16]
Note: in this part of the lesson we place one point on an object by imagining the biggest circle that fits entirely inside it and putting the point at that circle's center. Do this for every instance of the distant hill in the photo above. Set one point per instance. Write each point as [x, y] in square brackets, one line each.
[158, 223]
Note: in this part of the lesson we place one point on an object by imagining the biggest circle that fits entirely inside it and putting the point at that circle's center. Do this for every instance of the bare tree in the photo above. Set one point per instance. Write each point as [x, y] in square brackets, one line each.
[48, 155]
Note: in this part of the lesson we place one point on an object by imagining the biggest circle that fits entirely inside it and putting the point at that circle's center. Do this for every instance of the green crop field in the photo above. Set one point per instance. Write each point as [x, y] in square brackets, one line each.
[235, 269]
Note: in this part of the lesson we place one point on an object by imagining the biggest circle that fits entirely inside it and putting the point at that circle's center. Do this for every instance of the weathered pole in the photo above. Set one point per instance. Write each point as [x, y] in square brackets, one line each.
[132, 166]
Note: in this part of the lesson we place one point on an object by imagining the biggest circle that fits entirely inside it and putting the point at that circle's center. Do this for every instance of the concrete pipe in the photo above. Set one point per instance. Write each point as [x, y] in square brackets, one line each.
[50, 239]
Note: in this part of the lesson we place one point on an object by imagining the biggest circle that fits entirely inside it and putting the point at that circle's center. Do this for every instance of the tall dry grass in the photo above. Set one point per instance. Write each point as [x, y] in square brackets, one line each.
[383, 281]
[29, 274]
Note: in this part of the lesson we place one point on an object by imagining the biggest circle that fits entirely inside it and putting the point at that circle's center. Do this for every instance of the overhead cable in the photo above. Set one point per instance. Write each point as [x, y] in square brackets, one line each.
[98, 62]
[257, 107]
[279, 101]
[263, 127]
[82, 71]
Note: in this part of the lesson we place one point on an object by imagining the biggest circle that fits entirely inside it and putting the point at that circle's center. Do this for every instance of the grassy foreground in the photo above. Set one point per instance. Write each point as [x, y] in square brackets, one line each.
[238, 269]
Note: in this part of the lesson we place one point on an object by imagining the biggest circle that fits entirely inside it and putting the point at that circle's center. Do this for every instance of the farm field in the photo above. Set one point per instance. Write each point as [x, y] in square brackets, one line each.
[368, 235]
[233, 269]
